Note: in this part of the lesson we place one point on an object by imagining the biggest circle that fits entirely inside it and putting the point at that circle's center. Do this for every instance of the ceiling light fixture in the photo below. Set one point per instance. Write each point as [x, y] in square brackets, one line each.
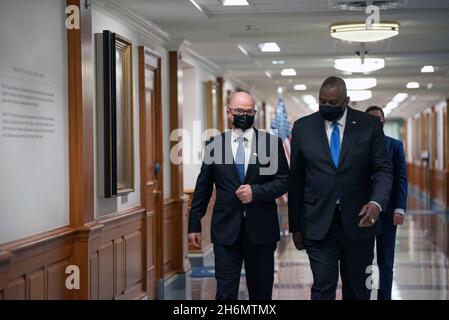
[235, 3]
[243, 50]
[413, 85]
[269, 47]
[288, 72]
[268, 74]
[360, 95]
[300, 87]
[360, 83]
[358, 32]
[427, 69]
[355, 65]
[400, 97]
[278, 62]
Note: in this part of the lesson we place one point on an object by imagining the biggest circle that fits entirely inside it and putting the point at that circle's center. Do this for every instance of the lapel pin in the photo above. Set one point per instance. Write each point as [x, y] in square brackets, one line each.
[354, 122]
[255, 154]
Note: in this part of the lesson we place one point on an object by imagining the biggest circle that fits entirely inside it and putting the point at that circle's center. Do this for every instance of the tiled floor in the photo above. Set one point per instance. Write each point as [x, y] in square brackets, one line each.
[421, 263]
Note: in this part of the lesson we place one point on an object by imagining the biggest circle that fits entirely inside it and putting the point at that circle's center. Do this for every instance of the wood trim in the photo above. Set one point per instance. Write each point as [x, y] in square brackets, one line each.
[445, 135]
[80, 106]
[220, 104]
[176, 181]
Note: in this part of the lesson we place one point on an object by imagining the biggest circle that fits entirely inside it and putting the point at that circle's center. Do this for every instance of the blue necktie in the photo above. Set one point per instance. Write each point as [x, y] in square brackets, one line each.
[335, 143]
[240, 159]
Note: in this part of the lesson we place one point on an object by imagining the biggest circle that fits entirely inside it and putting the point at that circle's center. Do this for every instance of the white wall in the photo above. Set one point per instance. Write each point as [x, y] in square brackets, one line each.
[33, 86]
[103, 20]
[194, 110]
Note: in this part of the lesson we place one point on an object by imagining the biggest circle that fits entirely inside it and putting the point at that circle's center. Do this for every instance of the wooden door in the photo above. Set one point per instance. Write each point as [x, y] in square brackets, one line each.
[151, 165]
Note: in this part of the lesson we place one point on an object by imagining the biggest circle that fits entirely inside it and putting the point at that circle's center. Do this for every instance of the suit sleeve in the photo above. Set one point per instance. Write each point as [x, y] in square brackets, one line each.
[277, 186]
[296, 183]
[201, 196]
[400, 181]
[382, 170]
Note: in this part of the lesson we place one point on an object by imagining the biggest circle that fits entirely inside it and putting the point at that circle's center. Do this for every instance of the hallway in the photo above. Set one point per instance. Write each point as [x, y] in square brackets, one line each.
[421, 263]
[101, 155]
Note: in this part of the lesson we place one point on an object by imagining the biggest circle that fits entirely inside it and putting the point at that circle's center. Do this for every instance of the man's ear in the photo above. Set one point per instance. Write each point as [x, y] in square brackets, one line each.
[347, 100]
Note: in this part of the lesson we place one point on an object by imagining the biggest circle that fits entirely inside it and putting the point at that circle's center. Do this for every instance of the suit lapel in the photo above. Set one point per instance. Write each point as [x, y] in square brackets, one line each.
[322, 139]
[349, 135]
[252, 158]
[229, 157]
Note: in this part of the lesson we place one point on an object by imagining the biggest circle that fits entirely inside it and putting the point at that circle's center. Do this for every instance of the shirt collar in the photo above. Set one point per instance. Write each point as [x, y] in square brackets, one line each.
[248, 134]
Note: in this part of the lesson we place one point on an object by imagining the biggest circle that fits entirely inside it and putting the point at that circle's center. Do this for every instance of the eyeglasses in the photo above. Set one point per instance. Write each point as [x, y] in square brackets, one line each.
[240, 112]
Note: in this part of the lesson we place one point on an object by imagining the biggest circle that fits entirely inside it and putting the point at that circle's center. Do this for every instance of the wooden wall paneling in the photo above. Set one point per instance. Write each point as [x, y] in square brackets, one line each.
[36, 285]
[41, 261]
[106, 269]
[169, 238]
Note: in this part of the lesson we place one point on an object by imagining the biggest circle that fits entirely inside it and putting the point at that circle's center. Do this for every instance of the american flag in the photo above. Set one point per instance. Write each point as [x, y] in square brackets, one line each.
[281, 124]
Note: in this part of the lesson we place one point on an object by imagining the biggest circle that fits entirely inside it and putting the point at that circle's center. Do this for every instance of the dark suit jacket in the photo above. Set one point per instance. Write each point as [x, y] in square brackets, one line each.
[398, 196]
[261, 214]
[364, 174]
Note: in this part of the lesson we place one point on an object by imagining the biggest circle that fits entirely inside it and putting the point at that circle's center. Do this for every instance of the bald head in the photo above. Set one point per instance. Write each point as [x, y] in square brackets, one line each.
[242, 100]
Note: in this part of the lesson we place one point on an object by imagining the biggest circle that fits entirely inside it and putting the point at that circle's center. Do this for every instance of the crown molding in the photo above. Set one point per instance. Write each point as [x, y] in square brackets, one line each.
[148, 28]
[190, 56]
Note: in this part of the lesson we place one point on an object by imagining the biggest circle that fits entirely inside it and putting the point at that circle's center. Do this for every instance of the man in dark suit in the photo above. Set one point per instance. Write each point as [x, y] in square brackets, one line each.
[249, 170]
[340, 182]
[394, 214]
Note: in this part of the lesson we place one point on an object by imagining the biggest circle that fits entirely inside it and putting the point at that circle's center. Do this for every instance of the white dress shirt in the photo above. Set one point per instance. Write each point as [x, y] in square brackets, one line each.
[341, 126]
[247, 144]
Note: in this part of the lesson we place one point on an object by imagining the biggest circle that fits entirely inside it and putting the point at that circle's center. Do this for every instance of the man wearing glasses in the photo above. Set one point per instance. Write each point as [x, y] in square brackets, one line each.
[249, 170]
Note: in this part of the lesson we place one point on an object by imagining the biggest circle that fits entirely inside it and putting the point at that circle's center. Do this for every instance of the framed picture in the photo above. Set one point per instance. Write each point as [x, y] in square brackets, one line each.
[115, 115]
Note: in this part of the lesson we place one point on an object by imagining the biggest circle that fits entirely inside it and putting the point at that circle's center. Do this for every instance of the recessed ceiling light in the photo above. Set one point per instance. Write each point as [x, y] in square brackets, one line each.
[288, 72]
[355, 65]
[358, 32]
[243, 50]
[360, 83]
[392, 105]
[268, 74]
[300, 87]
[430, 86]
[269, 47]
[427, 69]
[235, 3]
[278, 62]
[360, 95]
[309, 99]
[413, 85]
[400, 97]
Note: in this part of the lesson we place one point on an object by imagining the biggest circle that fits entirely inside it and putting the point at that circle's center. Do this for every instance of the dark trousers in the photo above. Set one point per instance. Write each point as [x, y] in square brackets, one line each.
[259, 268]
[354, 257]
[385, 243]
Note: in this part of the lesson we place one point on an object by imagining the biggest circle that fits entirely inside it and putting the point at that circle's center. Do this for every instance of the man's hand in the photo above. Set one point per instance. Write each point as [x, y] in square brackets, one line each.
[244, 193]
[297, 240]
[370, 213]
[398, 219]
[195, 239]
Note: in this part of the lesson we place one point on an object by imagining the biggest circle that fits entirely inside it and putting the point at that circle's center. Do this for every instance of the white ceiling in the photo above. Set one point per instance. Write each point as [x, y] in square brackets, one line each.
[301, 28]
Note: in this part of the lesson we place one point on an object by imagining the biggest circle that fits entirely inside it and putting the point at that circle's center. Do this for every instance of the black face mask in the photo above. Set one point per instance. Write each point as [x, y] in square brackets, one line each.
[331, 113]
[243, 122]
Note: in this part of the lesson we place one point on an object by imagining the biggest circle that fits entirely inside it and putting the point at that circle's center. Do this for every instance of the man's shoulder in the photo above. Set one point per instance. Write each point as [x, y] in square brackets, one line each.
[393, 141]
[304, 121]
